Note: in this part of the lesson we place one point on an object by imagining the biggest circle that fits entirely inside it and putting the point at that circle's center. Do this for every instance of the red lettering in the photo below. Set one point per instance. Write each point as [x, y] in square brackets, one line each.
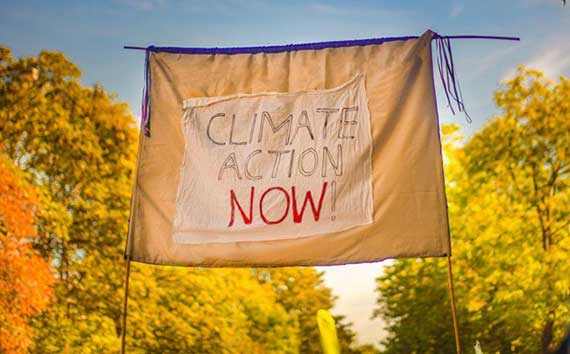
[298, 216]
[234, 202]
[271, 222]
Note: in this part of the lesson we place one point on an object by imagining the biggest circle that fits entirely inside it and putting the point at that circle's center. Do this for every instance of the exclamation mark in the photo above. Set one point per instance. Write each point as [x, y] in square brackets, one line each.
[333, 200]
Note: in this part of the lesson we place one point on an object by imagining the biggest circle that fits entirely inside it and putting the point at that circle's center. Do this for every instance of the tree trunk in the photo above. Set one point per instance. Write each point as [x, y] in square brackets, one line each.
[547, 334]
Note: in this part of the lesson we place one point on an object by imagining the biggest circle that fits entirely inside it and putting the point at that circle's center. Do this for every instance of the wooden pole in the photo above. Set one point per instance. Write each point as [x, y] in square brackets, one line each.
[125, 302]
[453, 309]
[468, 36]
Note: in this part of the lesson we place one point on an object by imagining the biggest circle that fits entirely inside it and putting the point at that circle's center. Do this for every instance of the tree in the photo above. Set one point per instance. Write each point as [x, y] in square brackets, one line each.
[206, 311]
[347, 338]
[366, 349]
[25, 278]
[508, 190]
[302, 292]
[413, 300]
[526, 156]
[78, 147]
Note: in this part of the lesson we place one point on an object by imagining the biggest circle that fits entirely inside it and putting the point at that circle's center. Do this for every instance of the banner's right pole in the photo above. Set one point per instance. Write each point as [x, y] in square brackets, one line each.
[125, 304]
[443, 54]
[453, 308]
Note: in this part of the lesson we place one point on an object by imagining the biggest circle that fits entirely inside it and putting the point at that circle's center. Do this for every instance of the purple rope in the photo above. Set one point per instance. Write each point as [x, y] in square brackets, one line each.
[145, 110]
[448, 76]
[440, 70]
[445, 64]
[304, 46]
[275, 48]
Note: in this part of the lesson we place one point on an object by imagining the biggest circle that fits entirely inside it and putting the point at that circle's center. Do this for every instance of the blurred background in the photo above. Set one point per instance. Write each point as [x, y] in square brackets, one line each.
[69, 115]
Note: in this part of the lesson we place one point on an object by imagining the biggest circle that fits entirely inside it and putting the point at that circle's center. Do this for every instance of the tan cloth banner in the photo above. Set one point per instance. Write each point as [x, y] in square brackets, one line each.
[309, 157]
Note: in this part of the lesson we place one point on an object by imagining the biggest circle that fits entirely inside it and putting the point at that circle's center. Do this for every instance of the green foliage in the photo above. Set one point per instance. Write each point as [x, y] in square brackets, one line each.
[509, 196]
[78, 145]
[302, 292]
[412, 298]
[206, 311]
[365, 349]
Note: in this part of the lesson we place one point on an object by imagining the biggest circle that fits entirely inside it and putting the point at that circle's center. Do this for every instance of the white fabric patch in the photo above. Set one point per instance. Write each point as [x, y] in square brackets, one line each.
[274, 166]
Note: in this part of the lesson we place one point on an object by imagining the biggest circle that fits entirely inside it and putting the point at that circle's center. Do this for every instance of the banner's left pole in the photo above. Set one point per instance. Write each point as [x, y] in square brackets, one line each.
[453, 307]
[125, 303]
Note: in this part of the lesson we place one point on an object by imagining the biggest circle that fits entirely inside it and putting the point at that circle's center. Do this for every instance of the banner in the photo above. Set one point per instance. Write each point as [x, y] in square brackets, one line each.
[315, 154]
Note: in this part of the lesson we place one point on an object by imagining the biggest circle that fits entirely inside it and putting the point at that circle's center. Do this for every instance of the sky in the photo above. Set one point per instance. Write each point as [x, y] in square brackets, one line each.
[92, 34]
